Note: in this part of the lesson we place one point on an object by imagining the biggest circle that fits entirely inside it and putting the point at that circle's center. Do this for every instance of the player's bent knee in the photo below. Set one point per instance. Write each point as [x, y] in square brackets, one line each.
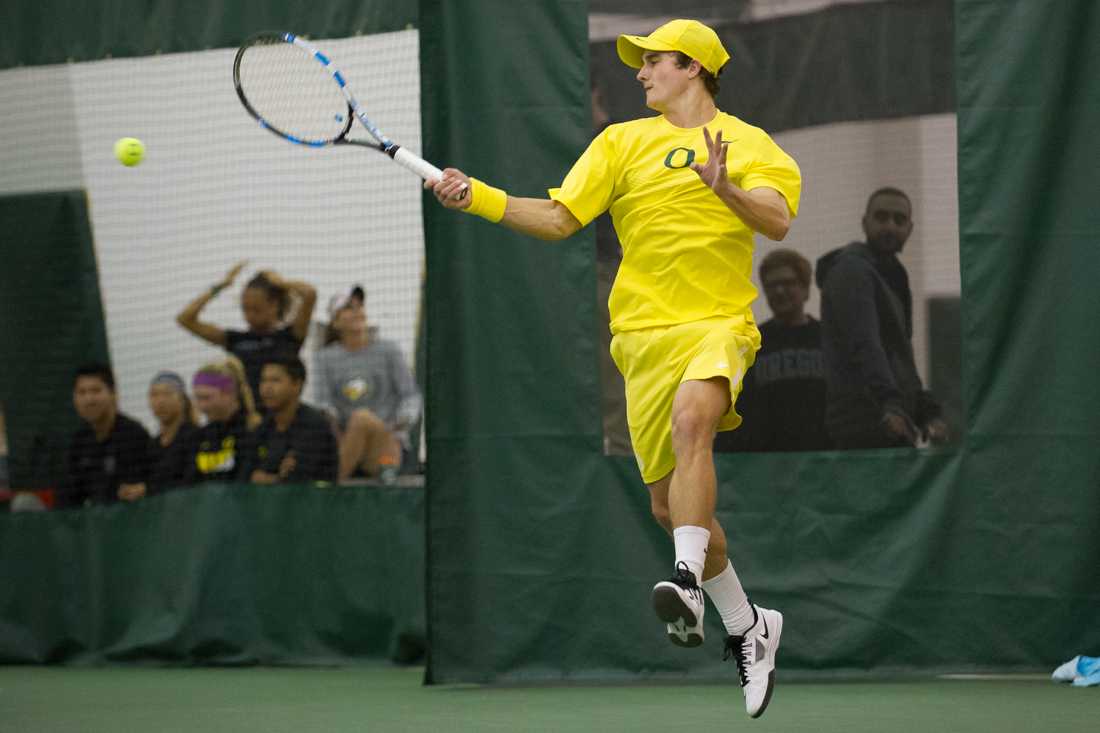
[691, 428]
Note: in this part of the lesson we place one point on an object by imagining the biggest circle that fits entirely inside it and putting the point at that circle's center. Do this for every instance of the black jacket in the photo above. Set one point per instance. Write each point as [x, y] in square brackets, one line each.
[170, 465]
[218, 450]
[96, 470]
[866, 330]
[309, 438]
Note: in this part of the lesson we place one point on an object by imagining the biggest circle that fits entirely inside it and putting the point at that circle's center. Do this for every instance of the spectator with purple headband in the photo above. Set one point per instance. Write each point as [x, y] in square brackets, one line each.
[223, 396]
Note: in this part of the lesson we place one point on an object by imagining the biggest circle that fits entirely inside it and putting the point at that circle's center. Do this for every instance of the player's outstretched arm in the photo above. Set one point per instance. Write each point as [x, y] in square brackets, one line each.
[541, 218]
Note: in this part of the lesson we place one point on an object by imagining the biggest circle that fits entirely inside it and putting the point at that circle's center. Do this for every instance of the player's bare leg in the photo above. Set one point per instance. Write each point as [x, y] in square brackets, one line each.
[687, 495]
[367, 442]
[698, 407]
[690, 499]
[716, 548]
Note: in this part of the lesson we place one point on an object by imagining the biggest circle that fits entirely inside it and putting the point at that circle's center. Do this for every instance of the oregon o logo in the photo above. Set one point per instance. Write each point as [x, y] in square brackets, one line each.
[672, 160]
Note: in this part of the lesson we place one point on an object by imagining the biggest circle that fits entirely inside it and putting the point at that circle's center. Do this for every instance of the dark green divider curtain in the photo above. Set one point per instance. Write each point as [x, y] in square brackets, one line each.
[851, 61]
[36, 32]
[51, 320]
[1029, 111]
[541, 551]
[219, 574]
[513, 372]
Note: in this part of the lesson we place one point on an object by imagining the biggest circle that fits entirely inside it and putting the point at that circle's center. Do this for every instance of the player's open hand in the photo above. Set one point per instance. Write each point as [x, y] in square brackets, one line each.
[713, 174]
[453, 190]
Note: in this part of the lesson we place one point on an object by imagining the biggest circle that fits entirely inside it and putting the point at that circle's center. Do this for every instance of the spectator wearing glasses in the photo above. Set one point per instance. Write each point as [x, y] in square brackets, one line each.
[783, 397]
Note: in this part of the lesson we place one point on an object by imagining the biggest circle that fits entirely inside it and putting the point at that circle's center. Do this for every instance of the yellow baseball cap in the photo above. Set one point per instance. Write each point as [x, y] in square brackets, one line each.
[689, 36]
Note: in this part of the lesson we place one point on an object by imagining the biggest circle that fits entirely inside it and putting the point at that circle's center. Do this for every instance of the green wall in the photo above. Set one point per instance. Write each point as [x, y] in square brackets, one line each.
[51, 320]
[850, 61]
[36, 32]
[219, 574]
[541, 551]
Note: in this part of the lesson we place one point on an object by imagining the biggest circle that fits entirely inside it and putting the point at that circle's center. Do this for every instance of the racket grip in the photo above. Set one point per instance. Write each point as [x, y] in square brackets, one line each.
[415, 163]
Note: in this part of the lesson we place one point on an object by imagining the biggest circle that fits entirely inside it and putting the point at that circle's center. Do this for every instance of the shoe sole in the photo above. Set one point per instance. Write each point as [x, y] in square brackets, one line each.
[778, 631]
[671, 609]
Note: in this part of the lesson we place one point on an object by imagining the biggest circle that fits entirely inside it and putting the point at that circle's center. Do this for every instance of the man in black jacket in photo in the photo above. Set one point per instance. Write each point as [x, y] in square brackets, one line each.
[108, 458]
[295, 442]
[874, 395]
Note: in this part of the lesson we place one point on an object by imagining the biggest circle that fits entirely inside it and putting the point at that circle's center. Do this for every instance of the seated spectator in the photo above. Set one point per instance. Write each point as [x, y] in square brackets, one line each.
[108, 456]
[267, 301]
[295, 442]
[220, 446]
[170, 452]
[782, 401]
[367, 383]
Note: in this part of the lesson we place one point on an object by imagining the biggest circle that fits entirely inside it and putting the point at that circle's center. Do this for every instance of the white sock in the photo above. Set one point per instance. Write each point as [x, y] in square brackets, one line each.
[691, 548]
[729, 598]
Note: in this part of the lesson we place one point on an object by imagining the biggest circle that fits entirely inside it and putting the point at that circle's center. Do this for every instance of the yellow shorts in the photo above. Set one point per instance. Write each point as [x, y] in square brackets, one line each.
[655, 361]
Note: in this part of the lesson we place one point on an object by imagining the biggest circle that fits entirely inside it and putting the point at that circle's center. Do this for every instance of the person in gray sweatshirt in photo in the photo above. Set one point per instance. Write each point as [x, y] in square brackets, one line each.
[367, 383]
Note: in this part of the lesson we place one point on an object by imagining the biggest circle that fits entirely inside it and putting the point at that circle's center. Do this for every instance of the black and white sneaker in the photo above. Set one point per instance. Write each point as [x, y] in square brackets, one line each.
[754, 654]
[679, 602]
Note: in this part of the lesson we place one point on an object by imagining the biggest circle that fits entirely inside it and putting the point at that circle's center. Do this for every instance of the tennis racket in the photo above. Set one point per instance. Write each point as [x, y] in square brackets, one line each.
[296, 92]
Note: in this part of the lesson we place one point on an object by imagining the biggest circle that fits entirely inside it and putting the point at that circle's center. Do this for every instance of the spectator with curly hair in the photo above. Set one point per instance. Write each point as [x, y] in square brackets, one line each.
[267, 302]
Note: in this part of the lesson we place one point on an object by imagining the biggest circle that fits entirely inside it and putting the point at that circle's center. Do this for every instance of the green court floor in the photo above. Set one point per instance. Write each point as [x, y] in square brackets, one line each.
[385, 698]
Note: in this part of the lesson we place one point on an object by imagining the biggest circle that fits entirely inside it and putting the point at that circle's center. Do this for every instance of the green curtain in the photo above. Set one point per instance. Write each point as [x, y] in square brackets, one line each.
[36, 32]
[541, 552]
[51, 320]
[219, 574]
[846, 62]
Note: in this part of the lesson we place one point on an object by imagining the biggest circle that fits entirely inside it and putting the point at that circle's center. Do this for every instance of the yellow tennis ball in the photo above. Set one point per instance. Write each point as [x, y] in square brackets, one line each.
[129, 151]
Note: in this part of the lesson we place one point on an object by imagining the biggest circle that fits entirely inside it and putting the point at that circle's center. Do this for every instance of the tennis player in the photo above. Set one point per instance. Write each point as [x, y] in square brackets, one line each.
[686, 190]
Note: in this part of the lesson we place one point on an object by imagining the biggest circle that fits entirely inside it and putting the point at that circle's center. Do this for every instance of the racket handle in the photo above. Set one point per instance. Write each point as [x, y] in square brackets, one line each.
[415, 163]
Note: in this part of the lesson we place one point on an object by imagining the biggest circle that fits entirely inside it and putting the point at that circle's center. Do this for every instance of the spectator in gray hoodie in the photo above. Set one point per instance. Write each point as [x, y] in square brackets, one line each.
[874, 396]
[367, 383]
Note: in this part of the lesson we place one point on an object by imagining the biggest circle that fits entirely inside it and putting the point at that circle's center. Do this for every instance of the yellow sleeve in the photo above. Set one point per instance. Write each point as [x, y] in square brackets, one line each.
[772, 167]
[588, 187]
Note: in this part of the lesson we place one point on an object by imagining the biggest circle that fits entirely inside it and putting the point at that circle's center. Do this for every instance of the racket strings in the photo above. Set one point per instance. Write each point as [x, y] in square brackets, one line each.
[292, 91]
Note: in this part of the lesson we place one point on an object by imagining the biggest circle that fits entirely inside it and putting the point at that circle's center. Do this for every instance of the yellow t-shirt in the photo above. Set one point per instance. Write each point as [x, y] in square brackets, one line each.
[686, 256]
